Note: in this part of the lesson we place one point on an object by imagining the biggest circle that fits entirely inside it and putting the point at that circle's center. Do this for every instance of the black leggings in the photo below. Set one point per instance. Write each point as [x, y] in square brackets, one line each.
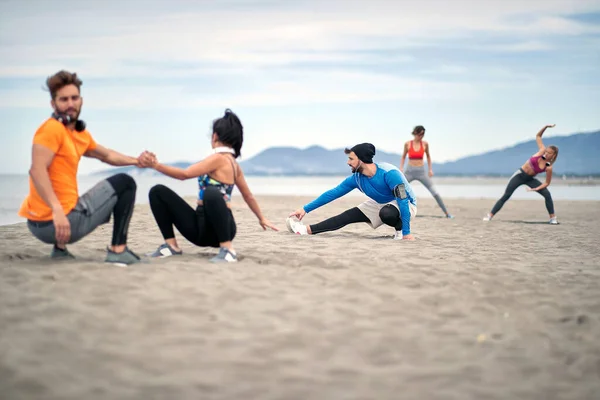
[125, 188]
[388, 214]
[207, 226]
[518, 179]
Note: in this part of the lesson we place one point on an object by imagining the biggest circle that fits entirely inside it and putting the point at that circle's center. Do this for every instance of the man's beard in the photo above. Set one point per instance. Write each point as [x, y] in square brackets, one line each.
[358, 169]
[72, 113]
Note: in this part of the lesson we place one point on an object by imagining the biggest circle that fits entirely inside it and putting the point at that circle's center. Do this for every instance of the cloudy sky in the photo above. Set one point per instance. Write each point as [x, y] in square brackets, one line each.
[478, 74]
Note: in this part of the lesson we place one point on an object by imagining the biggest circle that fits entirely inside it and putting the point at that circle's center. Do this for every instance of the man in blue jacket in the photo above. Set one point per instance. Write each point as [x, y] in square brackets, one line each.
[391, 198]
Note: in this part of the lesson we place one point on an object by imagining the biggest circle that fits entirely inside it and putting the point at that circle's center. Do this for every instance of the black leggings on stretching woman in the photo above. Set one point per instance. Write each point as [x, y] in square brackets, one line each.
[206, 226]
[521, 178]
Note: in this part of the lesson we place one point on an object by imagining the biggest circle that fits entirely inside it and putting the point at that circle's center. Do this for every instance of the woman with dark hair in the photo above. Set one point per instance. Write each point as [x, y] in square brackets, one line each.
[212, 223]
[542, 161]
[416, 149]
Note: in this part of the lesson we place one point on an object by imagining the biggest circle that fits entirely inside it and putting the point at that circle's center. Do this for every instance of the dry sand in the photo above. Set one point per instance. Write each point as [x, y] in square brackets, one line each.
[471, 310]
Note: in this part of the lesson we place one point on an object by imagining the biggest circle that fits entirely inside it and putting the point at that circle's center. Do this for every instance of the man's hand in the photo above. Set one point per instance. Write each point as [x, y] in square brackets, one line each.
[299, 213]
[408, 237]
[62, 226]
[265, 223]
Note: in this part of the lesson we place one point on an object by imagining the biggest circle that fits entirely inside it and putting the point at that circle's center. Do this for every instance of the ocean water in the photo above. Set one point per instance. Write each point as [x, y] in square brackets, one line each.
[14, 188]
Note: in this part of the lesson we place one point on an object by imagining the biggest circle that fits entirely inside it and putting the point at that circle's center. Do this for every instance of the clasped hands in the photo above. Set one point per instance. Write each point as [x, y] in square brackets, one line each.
[147, 159]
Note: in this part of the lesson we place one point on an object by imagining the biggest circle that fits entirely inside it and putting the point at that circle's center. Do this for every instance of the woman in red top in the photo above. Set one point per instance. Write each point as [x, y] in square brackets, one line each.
[541, 161]
[416, 149]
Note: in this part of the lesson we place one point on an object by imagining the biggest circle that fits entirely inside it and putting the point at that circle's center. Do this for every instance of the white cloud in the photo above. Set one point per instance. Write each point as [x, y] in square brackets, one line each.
[251, 40]
[519, 47]
[308, 87]
[246, 35]
[446, 70]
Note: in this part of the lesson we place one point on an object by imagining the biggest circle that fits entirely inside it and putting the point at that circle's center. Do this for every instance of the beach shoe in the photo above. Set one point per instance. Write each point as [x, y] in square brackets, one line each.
[225, 255]
[165, 250]
[61, 254]
[553, 221]
[295, 226]
[487, 218]
[450, 216]
[122, 259]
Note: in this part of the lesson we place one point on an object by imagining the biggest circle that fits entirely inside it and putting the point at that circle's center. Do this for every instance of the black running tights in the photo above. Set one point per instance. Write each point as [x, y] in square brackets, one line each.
[521, 178]
[207, 226]
[125, 189]
[388, 214]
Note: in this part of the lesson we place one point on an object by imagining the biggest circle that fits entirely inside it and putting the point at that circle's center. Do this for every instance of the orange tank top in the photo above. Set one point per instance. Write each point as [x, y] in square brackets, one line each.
[415, 154]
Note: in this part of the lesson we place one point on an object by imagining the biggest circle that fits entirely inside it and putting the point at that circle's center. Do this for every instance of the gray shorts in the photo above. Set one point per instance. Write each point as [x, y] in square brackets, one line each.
[92, 210]
[371, 209]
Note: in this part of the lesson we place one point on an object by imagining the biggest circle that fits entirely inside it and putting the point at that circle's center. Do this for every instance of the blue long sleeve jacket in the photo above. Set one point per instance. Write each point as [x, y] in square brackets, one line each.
[386, 185]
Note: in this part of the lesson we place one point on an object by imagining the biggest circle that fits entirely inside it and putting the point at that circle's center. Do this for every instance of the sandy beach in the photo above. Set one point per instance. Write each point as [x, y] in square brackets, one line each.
[471, 310]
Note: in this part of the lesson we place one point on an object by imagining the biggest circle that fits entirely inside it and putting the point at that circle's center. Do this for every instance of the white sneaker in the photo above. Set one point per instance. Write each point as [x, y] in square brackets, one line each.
[553, 221]
[398, 235]
[487, 217]
[295, 226]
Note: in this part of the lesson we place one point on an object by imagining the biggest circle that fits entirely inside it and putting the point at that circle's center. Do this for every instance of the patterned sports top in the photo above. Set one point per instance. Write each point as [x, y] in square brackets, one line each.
[225, 188]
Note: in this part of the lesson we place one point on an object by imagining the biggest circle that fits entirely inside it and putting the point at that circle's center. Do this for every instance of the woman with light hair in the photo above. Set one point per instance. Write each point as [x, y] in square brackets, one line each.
[542, 161]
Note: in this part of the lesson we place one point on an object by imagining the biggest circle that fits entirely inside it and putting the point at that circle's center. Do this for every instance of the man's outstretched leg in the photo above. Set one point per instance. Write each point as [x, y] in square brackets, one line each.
[350, 216]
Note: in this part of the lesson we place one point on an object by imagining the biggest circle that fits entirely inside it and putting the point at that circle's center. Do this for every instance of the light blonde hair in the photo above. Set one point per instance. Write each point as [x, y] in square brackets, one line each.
[555, 153]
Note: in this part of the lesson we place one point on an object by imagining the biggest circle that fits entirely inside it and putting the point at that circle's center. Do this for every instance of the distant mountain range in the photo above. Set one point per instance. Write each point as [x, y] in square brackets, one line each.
[578, 155]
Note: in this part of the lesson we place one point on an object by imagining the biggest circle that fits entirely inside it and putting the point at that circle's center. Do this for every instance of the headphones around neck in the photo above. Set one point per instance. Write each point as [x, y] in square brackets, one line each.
[65, 119]
[544, 158]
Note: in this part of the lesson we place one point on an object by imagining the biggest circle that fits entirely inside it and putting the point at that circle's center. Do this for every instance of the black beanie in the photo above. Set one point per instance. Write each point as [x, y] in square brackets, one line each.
[364, 152]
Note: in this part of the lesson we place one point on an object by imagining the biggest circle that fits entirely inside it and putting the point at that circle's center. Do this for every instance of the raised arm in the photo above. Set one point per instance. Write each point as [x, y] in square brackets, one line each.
[538, 137]
[403, 158]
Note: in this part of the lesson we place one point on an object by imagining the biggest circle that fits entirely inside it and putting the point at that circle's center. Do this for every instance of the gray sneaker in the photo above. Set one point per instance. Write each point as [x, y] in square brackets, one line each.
[122, 259]
[164, 250]
[225, 255]
[61, 254]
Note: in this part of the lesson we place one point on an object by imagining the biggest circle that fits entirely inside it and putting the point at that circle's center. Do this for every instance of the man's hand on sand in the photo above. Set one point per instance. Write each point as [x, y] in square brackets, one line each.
[299, 213]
